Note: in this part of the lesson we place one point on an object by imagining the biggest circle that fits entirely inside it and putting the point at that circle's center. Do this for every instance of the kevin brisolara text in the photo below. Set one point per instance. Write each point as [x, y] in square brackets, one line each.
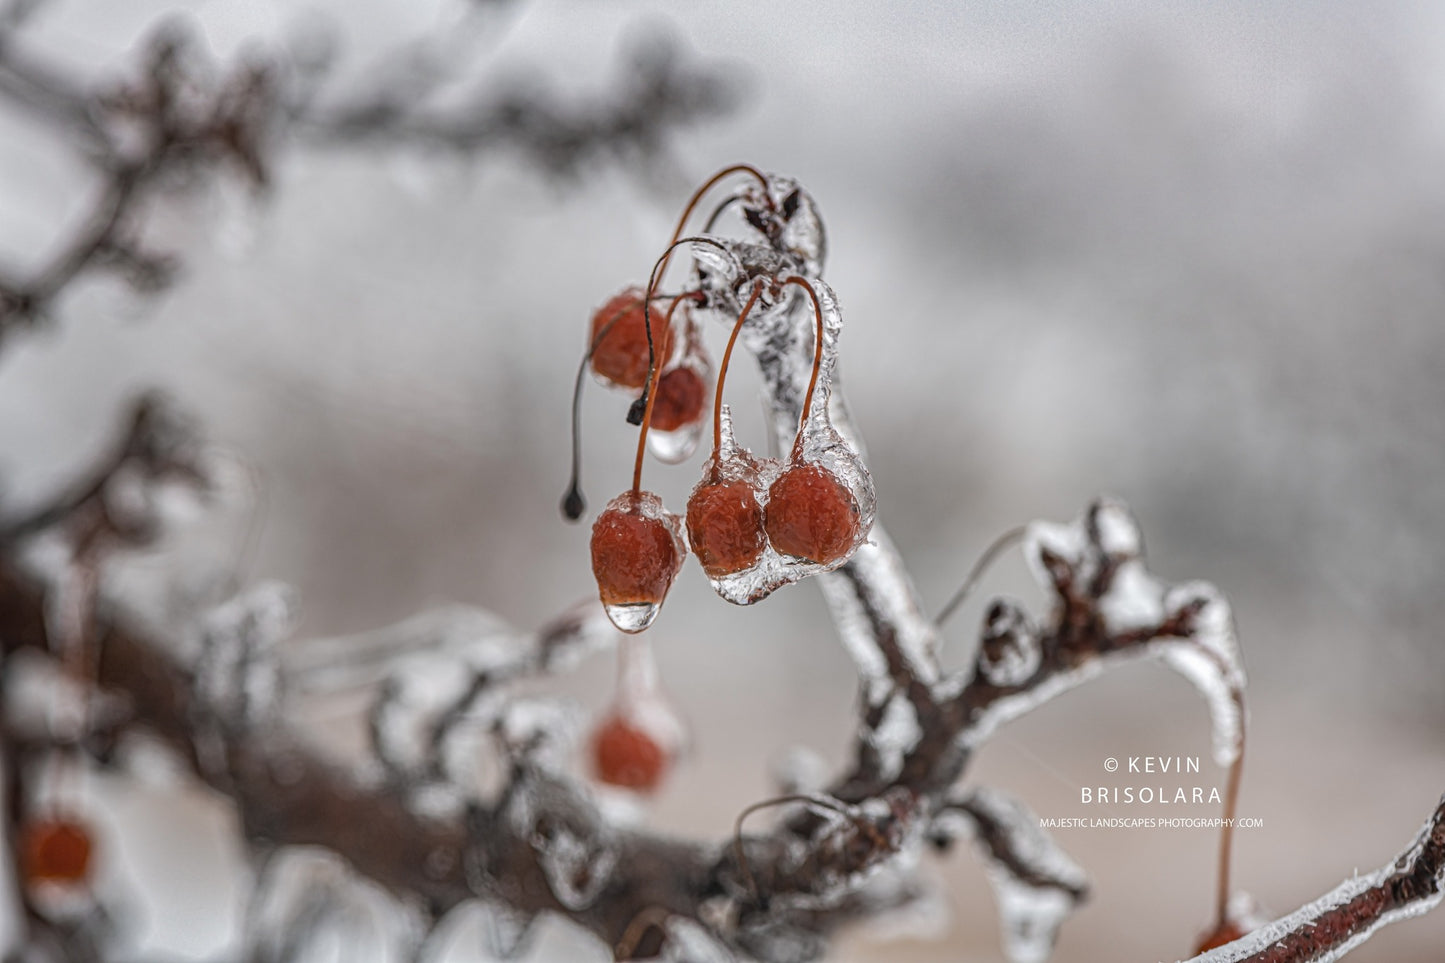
[1142, 822]
[1197, 795]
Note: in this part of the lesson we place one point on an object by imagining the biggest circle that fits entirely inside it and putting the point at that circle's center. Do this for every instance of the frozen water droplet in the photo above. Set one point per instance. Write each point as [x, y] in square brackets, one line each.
[674, 447]
[633, 617]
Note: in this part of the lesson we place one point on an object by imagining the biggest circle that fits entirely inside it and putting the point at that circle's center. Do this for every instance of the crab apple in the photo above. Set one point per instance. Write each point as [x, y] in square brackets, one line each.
[619, 339]
[625, 754]
[681, 396]
[725, 526]
[637, 549]
[56, 851]
[811, 515]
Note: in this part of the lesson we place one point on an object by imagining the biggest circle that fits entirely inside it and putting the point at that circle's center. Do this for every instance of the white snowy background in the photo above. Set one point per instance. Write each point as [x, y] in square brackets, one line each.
[1192, 255]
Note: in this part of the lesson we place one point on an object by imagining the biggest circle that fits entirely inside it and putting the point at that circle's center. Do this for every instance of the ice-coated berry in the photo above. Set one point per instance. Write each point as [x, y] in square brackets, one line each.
[626, 755]
[56, 851]
[637, 550]
[725, 526]
[811, 515]
[620, 356]
[681, 396]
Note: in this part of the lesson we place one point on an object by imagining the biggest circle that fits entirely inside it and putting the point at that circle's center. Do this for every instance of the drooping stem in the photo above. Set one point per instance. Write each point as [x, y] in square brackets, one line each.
[648, 393]
[817, 357]
[1226, 831]
[980, 566]
[573, 503]
[722, 371]
[708, 185]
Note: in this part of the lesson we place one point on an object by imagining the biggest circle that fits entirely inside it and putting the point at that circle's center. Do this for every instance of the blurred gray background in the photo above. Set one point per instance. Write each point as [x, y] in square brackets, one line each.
[1192, 255]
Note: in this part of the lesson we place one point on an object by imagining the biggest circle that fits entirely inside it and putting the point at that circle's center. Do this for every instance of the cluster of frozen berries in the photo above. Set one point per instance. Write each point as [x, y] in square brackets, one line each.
[755, 523]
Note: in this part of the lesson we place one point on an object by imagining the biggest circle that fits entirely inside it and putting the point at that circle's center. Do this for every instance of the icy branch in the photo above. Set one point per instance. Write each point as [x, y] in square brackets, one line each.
[178, 119]
[1342, 919]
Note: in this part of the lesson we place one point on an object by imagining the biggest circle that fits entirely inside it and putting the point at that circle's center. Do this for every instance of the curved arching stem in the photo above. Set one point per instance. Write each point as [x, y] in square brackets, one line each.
[817, 356]
[648, 393]
[722, 371]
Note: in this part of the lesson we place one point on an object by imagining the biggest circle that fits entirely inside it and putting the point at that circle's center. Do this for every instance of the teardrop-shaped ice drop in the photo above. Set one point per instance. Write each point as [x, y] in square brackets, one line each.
[674, 447]
[632, 617]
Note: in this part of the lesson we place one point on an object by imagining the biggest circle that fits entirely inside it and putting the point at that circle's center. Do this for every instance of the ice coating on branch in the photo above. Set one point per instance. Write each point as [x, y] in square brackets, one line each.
[309, 902]
[455, 633]
[1036, 885]
[1095, 562]
[689, 942]
[896, 734]
[1211, 660]
[1352, 912]
[505, 932]
[540, 730]
[1029, 918]
[1009, 652]
[577, 865]
[237, 673]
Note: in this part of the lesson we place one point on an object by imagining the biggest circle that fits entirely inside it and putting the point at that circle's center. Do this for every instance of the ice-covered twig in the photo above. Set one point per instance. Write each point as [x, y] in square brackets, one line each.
[178, 120]
[1342, 919]
[1106, 607]
[1035, 882]
[115, 502]
[661, 92]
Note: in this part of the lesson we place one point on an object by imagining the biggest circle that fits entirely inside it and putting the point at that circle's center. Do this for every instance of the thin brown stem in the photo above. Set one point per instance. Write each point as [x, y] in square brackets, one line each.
[817, 357]
[650, 389]
[722, 371]
[647, 388]
[743, 866]
[708, 185]
[652, 917]
[1226, 832]
[1004, 541]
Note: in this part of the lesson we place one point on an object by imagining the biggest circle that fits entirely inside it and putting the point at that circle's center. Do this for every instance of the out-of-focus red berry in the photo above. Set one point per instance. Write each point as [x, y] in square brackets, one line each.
[811, 514]
[1227, 932]
[621, 356]
[626, 755]
[681, 396]
[725, 526]
[56, 851]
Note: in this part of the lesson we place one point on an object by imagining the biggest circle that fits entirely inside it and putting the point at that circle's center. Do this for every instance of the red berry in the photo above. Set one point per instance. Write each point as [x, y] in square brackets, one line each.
[725, 526]
[1227, 932]
[811, 515]
[56, 851]
[620, 356]
[636, 552]
[681, 395]
[625, 755]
